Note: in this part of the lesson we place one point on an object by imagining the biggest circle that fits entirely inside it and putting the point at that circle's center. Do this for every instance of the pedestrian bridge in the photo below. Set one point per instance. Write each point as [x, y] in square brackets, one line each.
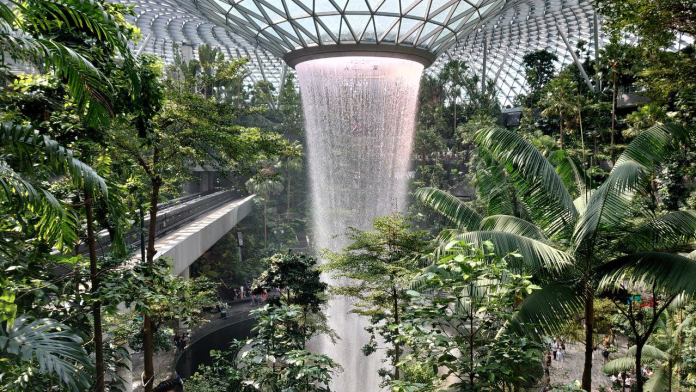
[186, 244]
[186, 227]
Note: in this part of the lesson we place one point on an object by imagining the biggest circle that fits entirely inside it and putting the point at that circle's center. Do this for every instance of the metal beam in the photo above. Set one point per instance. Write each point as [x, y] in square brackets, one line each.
[575, 57]
[142, 47]
[595, 29]
[483, 69]
[263, 74]
[283, 75]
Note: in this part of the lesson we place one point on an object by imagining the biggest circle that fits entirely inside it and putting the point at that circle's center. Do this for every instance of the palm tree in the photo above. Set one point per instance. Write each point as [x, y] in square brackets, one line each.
[556, 233]
[560, 99]
[266, 183]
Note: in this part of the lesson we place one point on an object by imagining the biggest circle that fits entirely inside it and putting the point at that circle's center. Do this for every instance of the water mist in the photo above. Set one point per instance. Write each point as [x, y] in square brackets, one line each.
[360, 118]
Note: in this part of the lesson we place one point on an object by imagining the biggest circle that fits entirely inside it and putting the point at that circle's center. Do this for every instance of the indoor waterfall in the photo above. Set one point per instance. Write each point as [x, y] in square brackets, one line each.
[360, 116]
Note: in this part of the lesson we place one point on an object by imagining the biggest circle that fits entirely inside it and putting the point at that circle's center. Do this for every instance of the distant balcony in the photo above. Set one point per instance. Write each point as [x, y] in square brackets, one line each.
[632, 96]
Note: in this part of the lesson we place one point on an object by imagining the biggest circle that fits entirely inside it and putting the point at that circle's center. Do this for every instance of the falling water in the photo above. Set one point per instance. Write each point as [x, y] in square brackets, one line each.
[360, 114]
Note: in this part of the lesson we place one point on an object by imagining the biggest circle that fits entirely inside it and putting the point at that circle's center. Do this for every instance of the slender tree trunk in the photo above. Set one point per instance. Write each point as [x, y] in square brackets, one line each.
[148, 323]
[639, 375]
[589, 332]
[455, 116]
[265, 220]
[397, 348]
[99, 385]
[422, 165]
[287, 211]
[613, 112]
[670, 364]
[560, 124]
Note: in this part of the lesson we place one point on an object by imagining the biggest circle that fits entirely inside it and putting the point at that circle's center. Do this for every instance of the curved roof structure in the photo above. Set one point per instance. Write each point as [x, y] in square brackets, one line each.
[273, 32]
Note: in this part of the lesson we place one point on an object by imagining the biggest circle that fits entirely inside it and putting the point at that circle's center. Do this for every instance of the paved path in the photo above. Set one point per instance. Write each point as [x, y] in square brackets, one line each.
[165, 361]
[574, 361]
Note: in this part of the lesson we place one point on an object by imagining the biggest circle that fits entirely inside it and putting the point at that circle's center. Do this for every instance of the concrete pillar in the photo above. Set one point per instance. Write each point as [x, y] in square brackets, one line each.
[186, 274]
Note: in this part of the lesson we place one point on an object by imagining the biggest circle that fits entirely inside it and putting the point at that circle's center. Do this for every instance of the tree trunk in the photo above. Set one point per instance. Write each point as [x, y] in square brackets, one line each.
[455, 116]
[639, 375]
[589, 331]
[422, 165]
[265, 224]
[287, 211]
[560, 124]
[396, 344]
[148, 324]
[670, 364]
[99, 385]
[613, 113]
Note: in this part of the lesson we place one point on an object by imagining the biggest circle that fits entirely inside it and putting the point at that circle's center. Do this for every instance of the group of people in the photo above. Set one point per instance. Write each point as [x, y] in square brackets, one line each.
[556, 353]
[181, 341]
[625, 381]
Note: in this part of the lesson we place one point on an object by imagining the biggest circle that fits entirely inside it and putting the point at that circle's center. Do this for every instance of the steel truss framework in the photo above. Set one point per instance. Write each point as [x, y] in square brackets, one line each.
[267, 30]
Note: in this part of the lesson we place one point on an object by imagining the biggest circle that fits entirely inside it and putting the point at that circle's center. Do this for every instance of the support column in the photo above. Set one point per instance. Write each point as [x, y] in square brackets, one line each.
[595, 29]
[485, 60]
[575, 57]
[186, 274]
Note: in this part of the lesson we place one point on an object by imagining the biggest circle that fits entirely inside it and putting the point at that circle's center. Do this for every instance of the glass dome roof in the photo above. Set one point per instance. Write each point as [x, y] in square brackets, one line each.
[267, 31]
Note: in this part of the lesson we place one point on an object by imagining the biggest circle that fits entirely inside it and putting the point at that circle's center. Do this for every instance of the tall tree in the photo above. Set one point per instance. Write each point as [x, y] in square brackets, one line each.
[556, 231]
[378, 266]
[539, 70]
[162, 145]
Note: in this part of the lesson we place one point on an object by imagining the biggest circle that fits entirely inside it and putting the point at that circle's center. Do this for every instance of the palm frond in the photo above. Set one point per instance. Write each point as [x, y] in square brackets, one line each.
[664, 232]
[514, 225]
[652, 145]
[570, 171]
[53, 346]
[25, 142]
[534, 177]
[669, 273]
[619, 365]
[609, 204]
[536, 255]
[450, 207]
[659, 382]
[650, 352]
[547, 310]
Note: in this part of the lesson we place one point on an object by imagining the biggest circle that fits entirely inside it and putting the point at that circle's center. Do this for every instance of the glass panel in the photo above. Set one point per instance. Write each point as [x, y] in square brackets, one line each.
[374, 4]
[390, 6]
[273, 16]
[411, 38]
[436, 5]
[406, 26]
[340, 4]
[419, 10]
[440, 17]
[382, 23]
[307, 24]
[324, 6]
[427, 29]
[295, 10]
[369, 34]
[391, 35]
[357, 6]
[461, 8]
[333, 23]
[323, 35]
[485, 8]
[358, 23]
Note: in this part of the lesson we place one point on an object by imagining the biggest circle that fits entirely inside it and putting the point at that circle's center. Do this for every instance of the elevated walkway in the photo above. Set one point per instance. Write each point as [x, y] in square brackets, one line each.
[187, 243]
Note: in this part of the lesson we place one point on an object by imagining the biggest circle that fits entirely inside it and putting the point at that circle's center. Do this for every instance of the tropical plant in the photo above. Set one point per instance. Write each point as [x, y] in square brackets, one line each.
[44, 346]
[376, 269]
[292, 161]
[556, 233]
[664, 351]
[456, 323]
[32, 33]
[265, 183]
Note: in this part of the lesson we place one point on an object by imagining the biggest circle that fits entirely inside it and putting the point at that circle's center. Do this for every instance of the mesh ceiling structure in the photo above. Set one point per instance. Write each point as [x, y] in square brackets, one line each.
[266, 31]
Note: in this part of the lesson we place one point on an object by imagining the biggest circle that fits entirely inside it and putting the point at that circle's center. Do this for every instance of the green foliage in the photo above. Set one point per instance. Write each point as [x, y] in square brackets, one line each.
[457, 318]
[539, 68]
[296, 275]
[46, 347]
[376, 269]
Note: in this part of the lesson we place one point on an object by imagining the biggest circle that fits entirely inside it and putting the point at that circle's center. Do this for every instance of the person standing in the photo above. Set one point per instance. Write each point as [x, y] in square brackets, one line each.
[265, 295]
[241, 292]
[561, 354]
[554, 348]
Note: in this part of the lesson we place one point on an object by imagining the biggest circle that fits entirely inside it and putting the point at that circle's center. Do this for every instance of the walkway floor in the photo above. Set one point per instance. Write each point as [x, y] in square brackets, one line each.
[165, 361]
